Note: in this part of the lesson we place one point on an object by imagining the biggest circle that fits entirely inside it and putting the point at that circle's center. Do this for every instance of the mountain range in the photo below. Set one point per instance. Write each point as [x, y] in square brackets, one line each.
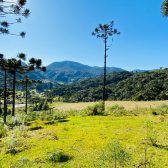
[69, 71]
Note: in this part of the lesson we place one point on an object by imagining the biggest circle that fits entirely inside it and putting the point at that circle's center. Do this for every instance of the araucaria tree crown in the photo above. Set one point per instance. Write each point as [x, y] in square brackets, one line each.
[10, 7]
[104, 31]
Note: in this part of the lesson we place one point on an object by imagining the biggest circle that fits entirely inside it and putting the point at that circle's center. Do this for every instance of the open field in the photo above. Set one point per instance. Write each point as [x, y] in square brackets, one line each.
[129, 105]
[83, 141]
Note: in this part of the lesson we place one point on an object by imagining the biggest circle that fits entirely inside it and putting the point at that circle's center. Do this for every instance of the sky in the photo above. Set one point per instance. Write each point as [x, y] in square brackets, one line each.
[59, 30]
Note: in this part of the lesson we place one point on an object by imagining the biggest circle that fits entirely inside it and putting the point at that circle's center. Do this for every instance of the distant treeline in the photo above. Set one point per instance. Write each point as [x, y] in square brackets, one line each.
[148, 85]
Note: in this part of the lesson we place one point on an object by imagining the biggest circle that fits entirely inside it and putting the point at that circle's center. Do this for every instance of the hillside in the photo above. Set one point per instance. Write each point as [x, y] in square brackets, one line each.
[70, 71]
[148, 85]
[91, 89]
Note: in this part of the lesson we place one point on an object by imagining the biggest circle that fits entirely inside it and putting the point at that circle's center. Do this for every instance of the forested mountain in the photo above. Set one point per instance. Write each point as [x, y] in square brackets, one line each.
[69, 71]
[148, 85]
[75, 66]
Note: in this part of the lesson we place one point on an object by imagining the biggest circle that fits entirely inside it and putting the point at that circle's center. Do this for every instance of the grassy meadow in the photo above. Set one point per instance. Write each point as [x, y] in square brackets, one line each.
[128, 135]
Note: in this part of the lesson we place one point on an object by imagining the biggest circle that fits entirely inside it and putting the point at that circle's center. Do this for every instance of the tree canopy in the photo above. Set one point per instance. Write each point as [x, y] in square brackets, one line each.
[12, 8]
[164, 8]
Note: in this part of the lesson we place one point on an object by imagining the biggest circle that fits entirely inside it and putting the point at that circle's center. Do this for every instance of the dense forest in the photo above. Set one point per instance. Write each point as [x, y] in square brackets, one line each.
[148, 85]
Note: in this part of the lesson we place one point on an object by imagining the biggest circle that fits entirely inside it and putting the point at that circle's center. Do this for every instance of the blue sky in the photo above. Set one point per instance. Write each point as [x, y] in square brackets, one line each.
[61, 30]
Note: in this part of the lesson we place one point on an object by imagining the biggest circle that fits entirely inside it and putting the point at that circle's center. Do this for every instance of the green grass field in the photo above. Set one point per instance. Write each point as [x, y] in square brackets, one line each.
[82, 141]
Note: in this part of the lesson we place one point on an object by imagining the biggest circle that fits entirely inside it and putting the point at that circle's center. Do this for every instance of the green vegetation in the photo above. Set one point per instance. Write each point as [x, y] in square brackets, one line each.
[164, 8]
[74, 138]
[145, 86]
[17, 8]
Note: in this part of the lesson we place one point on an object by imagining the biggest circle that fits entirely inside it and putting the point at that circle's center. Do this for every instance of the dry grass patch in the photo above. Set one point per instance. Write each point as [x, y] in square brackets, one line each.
[128, 105]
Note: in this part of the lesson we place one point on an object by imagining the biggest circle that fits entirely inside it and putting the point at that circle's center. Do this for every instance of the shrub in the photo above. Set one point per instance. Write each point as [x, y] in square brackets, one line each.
[154, 113]
[16, 120]
[2, 131]
[11, 144]
[151, 133]
[58, 157]
[96, 109]
[45, 106]
[163, 109]
[71, 112]
[117, 110]
[31, 109]
[9, 112]
[115, 154]
[15, 140]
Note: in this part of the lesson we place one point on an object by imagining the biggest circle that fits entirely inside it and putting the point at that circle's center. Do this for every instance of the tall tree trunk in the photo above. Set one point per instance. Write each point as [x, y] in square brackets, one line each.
[104, 81]
[5, 104]
[14, 80]
[26, 99]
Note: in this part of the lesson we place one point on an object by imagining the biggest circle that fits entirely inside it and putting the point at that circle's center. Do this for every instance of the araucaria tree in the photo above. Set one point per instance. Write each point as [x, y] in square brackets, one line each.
[27, 82]
[17, 68]
[165, 8]
[104, 32]
[10, 7]
[4, 67]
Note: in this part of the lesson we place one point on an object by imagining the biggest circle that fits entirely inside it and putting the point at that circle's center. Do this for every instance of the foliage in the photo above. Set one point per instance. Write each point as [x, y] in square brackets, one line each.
[67, 94]
[117, 110]
[96, 109]
[88, 135]
[164, 8]
[91, 89]
[15, 8]
[45, 105]
[148, 85]
[163, 109]
[15, 140]
[16, 120]
[3, 130]
[104, 32]
[115, 153]
[151, 133]
[58, 157]
[40, 88]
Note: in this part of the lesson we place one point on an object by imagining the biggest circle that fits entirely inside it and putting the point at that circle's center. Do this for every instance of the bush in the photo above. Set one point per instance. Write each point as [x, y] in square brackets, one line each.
[96, 109]
[2, 131]
[16, 139]
[117, 110]
[58, 157]
[115, 154]
[151, 133]
[31, 109]
[16, 120]
[9, 112]
[163, 109]
[45, 106]
[71, 112]
[154, 113]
